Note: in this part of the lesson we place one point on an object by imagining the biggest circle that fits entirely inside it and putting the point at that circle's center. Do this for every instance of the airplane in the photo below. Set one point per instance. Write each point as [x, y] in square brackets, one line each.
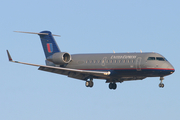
[112, 67]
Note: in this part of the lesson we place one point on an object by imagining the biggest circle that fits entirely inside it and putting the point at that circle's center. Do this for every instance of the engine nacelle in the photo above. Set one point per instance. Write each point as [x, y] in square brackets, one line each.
[60, 58]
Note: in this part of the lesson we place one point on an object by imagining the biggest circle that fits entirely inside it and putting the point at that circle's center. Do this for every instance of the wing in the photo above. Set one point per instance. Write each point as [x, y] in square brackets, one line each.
[74, 73]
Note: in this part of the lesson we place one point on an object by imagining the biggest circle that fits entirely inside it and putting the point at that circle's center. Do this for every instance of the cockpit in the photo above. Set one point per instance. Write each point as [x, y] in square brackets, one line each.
[157, 58]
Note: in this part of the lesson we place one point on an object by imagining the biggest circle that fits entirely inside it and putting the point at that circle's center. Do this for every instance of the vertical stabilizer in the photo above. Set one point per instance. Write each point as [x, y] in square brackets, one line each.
[49, 44]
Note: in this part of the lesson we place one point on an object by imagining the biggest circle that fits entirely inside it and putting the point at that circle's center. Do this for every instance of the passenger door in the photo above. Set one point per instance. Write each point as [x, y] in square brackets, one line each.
[138, 64]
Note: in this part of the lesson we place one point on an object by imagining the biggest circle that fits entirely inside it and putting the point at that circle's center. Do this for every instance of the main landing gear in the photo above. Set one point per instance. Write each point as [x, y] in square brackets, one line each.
[161, 84]
[89, 83]
[112, 85]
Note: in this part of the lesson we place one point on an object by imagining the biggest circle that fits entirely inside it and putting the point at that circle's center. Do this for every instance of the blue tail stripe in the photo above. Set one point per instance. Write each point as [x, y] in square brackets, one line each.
[49, 44]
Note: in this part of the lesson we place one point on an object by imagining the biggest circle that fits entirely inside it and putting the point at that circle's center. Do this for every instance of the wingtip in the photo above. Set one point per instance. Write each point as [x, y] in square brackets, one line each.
[9, 56]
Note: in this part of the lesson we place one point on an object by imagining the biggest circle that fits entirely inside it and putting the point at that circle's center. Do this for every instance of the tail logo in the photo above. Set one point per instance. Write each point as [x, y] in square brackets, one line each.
[49, 47]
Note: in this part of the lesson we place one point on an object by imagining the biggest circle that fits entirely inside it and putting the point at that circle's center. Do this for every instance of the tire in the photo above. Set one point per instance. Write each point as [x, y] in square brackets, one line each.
[110, 85]
[87, 83]
[160, 85]
[114, 86]
[91, 83]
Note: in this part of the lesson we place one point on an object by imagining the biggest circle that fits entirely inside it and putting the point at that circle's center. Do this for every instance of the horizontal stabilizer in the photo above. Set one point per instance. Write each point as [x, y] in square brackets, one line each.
[36, 33]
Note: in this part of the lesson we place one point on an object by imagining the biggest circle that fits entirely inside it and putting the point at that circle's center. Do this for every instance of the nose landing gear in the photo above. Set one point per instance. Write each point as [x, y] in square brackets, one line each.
[161, 84]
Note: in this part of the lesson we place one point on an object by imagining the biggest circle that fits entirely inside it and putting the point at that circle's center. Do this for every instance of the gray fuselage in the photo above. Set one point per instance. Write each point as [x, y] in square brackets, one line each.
[123, 66]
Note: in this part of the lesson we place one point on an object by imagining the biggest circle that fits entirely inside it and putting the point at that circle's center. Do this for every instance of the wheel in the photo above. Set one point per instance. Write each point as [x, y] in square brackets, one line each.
[114, 86]
[87, 83]
[91, 83]
[161, 85]
[110, 86]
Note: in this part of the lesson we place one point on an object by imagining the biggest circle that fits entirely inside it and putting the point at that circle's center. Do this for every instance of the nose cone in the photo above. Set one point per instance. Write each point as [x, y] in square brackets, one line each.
[171, 68]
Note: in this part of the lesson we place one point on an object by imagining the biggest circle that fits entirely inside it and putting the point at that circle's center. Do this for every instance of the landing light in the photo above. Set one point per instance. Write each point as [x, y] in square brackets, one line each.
[108, 73]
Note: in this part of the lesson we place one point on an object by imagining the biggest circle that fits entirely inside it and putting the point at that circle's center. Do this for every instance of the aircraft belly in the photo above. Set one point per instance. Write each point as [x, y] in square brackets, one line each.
[144, 72]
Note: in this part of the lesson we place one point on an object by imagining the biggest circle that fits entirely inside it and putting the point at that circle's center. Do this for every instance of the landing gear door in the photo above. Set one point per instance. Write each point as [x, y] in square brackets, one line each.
[138, 64]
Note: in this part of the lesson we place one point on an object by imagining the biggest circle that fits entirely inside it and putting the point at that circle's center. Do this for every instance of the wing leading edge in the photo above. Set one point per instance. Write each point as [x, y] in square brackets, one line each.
[74, 73]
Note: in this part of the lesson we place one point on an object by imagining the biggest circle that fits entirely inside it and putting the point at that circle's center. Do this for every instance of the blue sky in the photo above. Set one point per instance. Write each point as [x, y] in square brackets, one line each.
[96, 26]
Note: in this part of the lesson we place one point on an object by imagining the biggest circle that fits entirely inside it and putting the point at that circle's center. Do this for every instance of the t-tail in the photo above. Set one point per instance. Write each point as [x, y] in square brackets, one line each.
[51, 50]
[49, 44]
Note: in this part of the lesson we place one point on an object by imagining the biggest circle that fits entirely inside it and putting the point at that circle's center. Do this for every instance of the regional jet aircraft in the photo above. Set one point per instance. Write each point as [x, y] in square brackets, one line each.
[113, 67]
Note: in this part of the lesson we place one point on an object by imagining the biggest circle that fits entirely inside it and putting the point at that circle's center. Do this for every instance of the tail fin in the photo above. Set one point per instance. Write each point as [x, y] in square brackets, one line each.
[49, 44]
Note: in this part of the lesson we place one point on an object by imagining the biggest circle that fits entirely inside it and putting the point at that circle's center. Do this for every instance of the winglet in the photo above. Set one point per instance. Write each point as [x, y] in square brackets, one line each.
[9, 56]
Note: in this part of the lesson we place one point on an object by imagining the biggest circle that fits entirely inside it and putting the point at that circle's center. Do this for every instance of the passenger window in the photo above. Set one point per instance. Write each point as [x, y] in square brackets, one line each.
[107, 61]
[160, 58]
[151, 58]
[115, 61]
[102, 61]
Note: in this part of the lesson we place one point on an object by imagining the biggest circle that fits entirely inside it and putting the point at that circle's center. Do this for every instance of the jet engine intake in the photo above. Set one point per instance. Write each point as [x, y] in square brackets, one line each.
[60, 58]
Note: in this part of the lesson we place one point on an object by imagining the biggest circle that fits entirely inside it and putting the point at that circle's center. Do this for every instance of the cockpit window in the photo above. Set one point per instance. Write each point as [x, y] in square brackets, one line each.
[160, 58]
[157, 58]
[151, 58]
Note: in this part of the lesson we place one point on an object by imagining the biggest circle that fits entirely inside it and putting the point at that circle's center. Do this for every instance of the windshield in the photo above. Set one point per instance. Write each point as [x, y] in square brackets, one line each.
[157, 58]
[151, 58]
[160, 59]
